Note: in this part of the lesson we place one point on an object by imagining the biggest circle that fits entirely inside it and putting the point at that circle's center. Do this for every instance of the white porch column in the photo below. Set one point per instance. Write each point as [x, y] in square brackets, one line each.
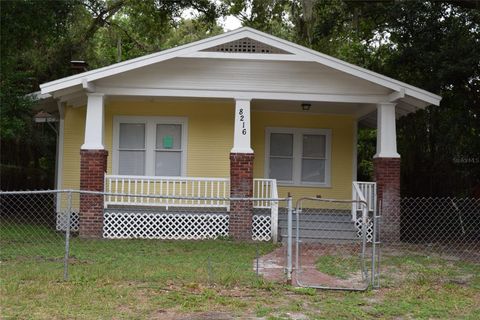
[386, 131]
[94, 122]
[241, 137]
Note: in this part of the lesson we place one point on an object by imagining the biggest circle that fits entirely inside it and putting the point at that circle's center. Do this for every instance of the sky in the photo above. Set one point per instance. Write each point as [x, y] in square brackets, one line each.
[230, 23]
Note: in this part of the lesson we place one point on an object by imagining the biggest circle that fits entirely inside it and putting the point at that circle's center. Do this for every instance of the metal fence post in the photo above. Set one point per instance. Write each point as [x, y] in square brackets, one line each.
[67, 236]
[289, 240]
[376, 246]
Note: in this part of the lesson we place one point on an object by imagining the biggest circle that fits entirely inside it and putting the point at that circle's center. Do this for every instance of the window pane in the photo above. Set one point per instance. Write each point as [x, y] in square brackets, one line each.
[281, 144]
[313, 170]
[281, 169]
[169, 136]
[168, 163]
[132, 136]
[314, 146]
[131, 162]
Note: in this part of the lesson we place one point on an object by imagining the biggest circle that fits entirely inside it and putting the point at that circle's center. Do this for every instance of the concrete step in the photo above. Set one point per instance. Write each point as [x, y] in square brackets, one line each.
[321, 227]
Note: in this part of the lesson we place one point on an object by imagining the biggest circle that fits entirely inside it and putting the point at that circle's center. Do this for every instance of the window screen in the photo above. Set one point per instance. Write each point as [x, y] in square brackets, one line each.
[132, 149]
[281, 156]
[313, 158]
[169, 136]
[168, 153]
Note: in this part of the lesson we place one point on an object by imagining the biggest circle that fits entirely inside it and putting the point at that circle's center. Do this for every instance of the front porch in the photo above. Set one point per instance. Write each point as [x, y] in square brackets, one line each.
[305, 153]
[186, 208]
[198, 208]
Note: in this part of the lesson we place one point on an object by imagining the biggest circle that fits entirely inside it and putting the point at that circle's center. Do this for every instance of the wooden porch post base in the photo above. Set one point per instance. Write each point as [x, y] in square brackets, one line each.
[93, 164]
[387, 176]
[241, 186]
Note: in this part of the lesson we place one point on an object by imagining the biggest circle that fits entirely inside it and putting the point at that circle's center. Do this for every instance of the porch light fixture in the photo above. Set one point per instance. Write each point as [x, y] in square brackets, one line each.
[45, 117]
[306, 106]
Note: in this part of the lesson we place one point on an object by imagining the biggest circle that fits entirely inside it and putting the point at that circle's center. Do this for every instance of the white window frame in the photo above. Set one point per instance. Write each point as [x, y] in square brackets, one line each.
[297, 155]
[150, 143]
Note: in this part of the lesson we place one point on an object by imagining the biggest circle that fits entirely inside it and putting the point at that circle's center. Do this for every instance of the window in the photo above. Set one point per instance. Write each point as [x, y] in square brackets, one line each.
[131, 149]
[298, 156]
[149, 146]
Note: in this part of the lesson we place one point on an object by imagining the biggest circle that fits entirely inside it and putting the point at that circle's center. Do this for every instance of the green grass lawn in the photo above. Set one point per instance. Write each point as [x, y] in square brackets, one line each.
[339, 266]
[136, 279]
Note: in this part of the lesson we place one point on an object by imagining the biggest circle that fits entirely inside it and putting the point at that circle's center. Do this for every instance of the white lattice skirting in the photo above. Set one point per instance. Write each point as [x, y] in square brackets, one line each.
[261, 228]
[368, 231]
[176, 226]
[62, 218]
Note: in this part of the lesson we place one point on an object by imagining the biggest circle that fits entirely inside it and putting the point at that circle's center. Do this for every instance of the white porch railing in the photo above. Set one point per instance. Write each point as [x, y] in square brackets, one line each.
[185, 187]
[208, 192]
[364, 191]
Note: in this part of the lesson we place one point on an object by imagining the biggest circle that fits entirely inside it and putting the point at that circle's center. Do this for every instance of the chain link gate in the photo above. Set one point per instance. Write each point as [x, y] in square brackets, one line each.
[331, 249]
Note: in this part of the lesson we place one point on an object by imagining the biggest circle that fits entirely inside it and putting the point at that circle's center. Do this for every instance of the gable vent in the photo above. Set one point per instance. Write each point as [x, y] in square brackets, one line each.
[246, 45]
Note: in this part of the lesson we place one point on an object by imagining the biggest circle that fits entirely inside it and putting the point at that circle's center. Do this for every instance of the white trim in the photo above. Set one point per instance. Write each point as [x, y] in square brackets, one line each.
[59, 155]
[355, 151]
[386, 131]
[150, 134]
[265, 95]
[396, 95]
[88, 86]
[297, 152]
[301, 52]
[94, 122]
[241, 127]
[245, 56]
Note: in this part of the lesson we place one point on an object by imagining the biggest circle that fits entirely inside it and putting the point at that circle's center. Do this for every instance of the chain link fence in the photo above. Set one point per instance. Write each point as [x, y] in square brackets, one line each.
[444, 227]
[43, 231]
[40, 234]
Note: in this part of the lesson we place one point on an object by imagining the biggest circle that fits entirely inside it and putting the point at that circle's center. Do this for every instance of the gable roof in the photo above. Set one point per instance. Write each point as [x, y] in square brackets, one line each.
[277, 45]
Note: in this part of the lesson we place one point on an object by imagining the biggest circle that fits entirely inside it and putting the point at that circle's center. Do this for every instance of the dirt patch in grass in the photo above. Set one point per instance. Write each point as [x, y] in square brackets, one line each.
[326, 265]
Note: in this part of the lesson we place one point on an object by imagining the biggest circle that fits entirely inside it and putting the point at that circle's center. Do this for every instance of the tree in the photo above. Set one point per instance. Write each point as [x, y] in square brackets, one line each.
[40, 38]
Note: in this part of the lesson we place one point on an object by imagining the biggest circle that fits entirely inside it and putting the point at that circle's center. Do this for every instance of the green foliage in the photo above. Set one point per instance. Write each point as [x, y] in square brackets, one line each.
[366, 148]
[270, 16]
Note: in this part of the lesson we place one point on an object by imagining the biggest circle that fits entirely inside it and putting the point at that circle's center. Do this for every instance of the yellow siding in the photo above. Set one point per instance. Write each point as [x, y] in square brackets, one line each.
[342, 149]
[210, 139]
[74, 131]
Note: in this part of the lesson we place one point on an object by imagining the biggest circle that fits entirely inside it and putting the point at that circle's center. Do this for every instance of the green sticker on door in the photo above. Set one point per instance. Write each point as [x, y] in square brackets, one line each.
[167, 142]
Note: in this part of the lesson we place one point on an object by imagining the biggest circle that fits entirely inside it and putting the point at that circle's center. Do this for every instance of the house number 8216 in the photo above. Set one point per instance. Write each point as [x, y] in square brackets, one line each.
[242, 120]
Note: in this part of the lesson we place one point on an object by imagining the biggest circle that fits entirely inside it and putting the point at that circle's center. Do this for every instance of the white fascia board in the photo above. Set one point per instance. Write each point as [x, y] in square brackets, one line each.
[201, 93]
[141, 61]
[346, 67]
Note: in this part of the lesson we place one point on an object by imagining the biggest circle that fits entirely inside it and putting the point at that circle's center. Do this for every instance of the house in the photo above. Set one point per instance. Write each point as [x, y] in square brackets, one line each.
[243, 113]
